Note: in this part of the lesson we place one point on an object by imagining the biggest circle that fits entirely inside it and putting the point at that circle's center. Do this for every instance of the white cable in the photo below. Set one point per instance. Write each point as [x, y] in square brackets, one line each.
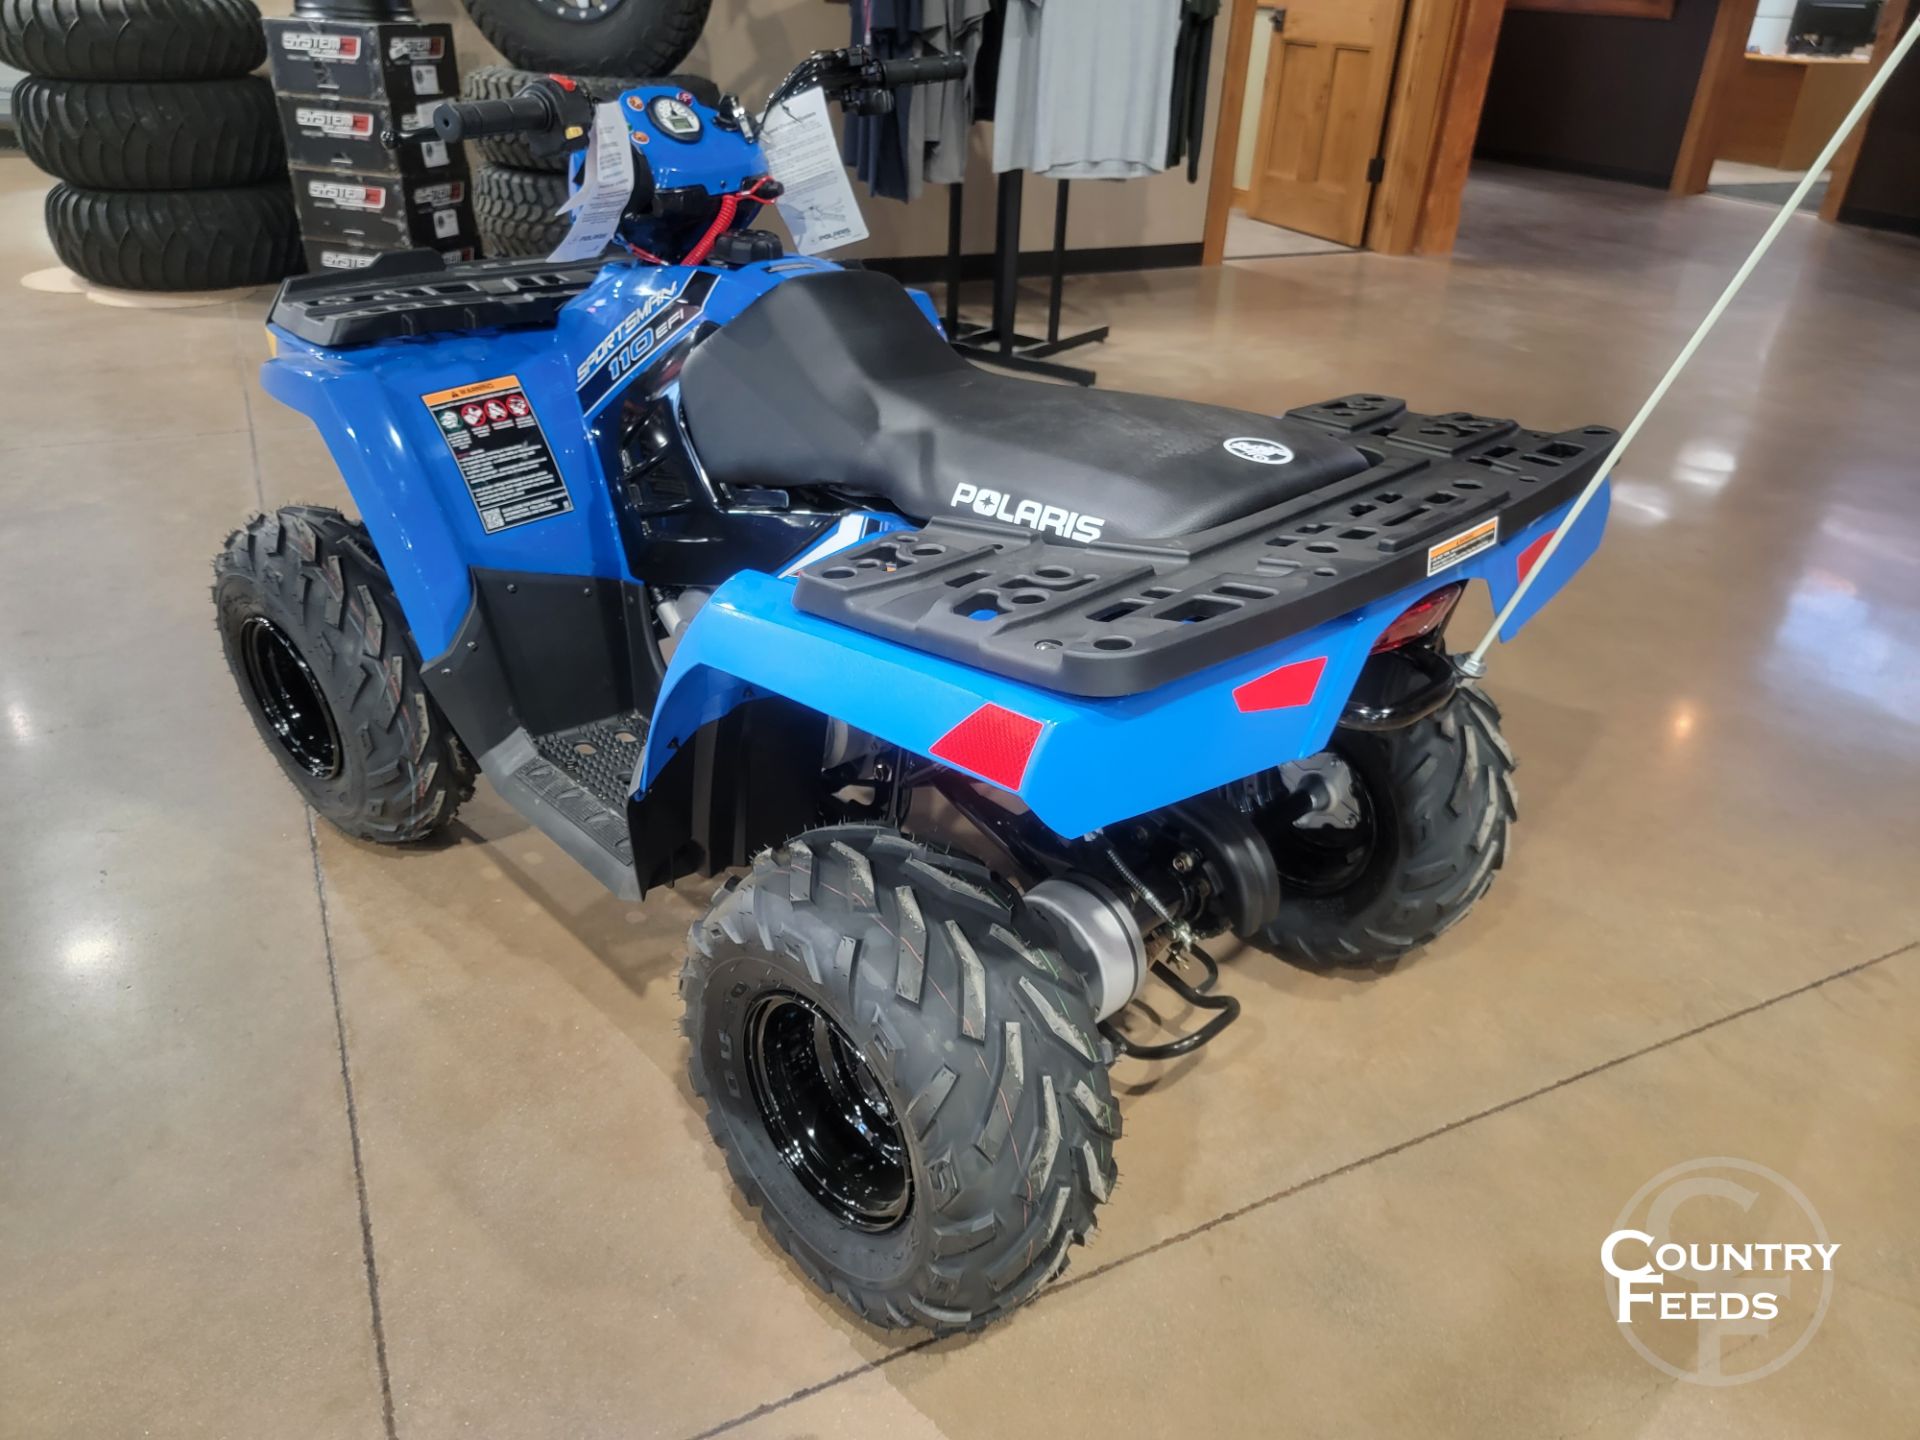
[1475, 663]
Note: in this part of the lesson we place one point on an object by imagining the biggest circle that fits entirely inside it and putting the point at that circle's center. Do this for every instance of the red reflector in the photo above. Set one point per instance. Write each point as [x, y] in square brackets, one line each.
[993, 742]
[1421, 618]
[1530, 556]
[1281, 689]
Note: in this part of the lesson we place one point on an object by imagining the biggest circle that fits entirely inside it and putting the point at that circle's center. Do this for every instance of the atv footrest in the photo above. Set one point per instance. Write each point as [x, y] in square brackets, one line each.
[601, 755]
[1123, 617]
[574, 784]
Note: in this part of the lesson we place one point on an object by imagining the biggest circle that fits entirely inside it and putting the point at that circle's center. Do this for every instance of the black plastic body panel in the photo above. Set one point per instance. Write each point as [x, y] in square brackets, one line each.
[416, 292]
[680, 529]
[748, 780]
[543, 652]
[1117, 618]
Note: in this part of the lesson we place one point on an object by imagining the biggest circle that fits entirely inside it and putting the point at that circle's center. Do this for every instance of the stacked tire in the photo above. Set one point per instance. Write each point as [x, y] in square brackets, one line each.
[515, 192]
[629, 37]
[166, 148]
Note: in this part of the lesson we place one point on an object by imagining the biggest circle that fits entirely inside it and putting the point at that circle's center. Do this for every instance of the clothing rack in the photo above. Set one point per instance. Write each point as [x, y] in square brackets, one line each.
[1000, 342]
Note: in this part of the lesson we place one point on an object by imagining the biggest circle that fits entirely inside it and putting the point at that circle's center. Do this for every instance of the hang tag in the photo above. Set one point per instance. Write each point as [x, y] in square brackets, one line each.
[606, 185]
[817, 200]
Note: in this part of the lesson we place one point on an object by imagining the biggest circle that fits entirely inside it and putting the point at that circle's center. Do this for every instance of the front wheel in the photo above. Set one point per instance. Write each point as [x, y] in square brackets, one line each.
[912, 1095]
[1386, 839]
[319, 649]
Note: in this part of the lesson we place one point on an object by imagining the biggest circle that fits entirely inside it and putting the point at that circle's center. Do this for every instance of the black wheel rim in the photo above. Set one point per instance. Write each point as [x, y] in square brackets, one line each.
[578, 10]
[1323, 859]
[826, 1113]
[289, 697]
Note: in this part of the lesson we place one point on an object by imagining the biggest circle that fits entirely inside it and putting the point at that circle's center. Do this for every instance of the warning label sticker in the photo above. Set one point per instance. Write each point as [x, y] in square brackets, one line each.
[502, 452]
[1463, 546]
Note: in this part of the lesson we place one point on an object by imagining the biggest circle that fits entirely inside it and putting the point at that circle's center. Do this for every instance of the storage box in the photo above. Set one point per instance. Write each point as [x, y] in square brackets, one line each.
[334, 255]
[401, 63]
[329, 134]
[382, 212]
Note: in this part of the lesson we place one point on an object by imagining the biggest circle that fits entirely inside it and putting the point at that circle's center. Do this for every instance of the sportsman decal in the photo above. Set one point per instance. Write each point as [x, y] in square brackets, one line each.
[641, 334]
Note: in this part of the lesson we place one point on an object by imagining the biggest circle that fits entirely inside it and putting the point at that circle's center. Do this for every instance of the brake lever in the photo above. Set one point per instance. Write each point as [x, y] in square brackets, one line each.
[394, 139]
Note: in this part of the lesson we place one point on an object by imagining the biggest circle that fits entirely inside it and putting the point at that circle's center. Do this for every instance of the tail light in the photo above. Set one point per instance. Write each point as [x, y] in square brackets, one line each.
[1422, 618]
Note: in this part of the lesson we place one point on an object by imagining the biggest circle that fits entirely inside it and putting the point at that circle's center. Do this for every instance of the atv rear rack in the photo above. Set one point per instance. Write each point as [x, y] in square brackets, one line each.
[1120, 618]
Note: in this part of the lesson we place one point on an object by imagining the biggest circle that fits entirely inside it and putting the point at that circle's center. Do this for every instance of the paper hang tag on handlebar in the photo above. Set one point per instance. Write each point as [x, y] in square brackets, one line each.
[816, 198]
[605, 188]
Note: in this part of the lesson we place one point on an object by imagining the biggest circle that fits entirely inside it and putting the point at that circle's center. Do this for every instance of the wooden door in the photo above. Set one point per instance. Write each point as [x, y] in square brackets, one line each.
[1329, 72]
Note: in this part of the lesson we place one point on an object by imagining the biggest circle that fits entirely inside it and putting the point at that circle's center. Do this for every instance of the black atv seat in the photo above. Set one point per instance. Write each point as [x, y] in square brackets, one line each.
[837, 380]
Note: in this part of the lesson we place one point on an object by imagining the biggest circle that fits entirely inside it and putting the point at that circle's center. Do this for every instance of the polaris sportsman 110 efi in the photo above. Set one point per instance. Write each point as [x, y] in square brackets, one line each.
[714, 558]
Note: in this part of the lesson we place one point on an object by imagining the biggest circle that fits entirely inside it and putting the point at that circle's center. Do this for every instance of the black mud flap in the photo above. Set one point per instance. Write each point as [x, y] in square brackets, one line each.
[748, 780]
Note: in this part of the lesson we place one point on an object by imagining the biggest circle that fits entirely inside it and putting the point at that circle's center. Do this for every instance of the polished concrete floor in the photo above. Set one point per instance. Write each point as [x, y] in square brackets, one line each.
[1251, 239]
[300, 1137]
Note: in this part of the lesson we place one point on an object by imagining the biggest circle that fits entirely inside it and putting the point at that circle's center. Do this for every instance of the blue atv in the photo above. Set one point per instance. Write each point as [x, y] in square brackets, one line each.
[728, 564]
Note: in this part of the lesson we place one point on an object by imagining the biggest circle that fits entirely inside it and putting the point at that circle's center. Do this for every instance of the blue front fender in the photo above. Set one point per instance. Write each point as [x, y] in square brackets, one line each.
[1094, 761]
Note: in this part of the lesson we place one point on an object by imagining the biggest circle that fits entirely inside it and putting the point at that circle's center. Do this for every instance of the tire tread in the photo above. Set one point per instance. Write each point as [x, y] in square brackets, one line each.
[141, 135]
[992, 1118]
[132, 39]
[175, 239]
[1452, 777]
[417, 773]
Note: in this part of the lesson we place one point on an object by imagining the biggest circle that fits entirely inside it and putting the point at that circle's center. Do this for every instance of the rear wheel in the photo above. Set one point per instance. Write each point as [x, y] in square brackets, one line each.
[913, 1096]
[1386, 839]
[319, 649]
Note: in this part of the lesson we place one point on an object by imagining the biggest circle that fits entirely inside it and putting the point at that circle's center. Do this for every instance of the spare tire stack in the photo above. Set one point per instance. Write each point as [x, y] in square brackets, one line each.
[167, 149]
[515, 193]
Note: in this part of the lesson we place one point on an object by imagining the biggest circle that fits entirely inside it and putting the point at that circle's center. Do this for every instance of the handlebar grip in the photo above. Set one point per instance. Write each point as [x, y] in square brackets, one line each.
[471, 119]
[927, 70]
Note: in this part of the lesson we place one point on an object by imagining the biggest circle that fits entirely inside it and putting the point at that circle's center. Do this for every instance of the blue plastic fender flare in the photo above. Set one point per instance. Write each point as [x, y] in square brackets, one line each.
[1077, 763]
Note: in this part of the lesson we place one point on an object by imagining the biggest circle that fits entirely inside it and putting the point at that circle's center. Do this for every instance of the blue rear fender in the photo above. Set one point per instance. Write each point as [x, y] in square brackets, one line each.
[1077, 763]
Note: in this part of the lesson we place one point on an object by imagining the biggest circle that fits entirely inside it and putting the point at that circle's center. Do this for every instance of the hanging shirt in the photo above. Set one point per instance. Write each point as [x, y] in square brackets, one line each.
[1192, 53]
[881, 148]
[1084, 88]
[944, 113]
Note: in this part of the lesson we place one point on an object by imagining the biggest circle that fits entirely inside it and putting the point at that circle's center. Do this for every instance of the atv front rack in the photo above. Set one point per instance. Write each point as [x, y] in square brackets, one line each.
[1121, 618]
[416, 292]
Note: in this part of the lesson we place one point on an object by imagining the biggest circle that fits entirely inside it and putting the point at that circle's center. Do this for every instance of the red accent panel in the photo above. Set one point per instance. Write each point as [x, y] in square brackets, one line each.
[1530, 556]
[1282, 689]
[993, 742]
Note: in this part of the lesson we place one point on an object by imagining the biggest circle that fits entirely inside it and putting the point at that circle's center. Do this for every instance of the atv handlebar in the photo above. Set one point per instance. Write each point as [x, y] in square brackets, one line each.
[928, 70]
[859, 81]
[530, 110]
[556, 113]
